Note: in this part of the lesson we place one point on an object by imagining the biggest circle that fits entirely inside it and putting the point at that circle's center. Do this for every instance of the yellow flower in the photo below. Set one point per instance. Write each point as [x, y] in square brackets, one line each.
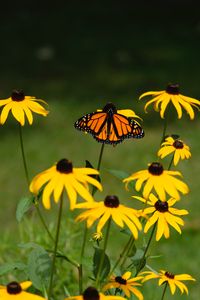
[129, 113]
[125, 284]
[63, 176]
[164, 214]
[167, 277]
[21, 106]
[161, 180]
[110, 207]
[180, 149]
[97, 236]
[16, 291]
[171, 94]
[91, 293]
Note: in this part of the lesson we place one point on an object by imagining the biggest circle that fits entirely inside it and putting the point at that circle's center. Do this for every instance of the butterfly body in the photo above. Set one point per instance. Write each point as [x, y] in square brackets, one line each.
[108, 126]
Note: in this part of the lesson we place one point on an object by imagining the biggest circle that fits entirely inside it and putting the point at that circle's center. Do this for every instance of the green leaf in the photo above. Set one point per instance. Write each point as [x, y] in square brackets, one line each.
[96, 261]
[8, 267]
[39, 266]
[138, 261]
[118, 173]
[29, 245]
[23, 206]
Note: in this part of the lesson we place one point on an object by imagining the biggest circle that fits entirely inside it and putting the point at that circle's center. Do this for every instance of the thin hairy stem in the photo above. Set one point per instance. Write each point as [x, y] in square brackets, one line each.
[23, 154]
[140, 266]
[55, 246]
[103, 253]
[164, 291]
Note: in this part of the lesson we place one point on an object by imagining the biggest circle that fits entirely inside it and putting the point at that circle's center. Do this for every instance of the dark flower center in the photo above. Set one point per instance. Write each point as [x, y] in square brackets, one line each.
[91, 294]
[17, 95]
[110, 108]
[178, 144]
[155, 168]
[161, 206]
[120, 280]
[173, 89]
[169, 275]
[64, 166]
[111, 201]
[14, 288]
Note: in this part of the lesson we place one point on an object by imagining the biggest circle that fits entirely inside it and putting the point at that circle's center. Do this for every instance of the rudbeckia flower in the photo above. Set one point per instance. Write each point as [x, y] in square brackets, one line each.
[161, 180]
[16, 291]
[126, 284]
[172, 280]
[21, 106]
[176, 146]
[63, 176]
[97, 236]
[171, 94]
[164, 214]
[91, 293]
[110, 208]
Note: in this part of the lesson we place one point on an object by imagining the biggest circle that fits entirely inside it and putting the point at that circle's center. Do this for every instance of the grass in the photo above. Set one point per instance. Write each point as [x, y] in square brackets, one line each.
[78, 58]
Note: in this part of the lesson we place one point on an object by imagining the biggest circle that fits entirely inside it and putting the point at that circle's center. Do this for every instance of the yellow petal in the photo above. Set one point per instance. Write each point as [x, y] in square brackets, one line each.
[151, 93]
[18, 113]
[175, 101]
[5, 112]
[28, 114]
[103, 220]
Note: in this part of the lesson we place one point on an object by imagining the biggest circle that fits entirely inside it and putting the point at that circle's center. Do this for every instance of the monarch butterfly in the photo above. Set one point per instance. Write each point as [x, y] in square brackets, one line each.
[109, 127]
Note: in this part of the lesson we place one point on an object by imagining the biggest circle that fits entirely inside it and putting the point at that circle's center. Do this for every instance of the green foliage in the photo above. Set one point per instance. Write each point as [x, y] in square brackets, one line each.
[38, 267]
[23, 206]
[96, 263]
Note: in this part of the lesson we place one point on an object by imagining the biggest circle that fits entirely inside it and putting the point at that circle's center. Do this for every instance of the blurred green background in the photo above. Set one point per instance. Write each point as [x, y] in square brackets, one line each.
[78, 55]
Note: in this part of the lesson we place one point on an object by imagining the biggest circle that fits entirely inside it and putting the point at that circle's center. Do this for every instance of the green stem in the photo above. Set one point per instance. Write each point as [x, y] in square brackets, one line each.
[28, 180]
[103, 253]
[128, 251]
[121, 256]
[43, 222]
[170, 164]
[55, 246]
[86, 230]
[140, 266]
[81, 260]
[23, 154]
[100, 157]
[164, 130]
[164, 291]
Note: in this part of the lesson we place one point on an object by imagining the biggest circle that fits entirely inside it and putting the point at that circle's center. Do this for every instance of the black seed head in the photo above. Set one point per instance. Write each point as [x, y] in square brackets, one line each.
[111, 201]
[17, 95]
[120, 280]
[155, 168]
[161, 206]
[64, 166]
[14, 288]
[169, 275]
[110, 108]
[178, 144]
[91, 294]
[173, 89]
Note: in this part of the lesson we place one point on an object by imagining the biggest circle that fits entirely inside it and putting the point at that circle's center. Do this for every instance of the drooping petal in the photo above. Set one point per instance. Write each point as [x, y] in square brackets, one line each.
[28, 114]
[136, 292]
[5, 112]
[175, 101]
[103, 220]
[18, 113]
[37, 108]
[188, 108]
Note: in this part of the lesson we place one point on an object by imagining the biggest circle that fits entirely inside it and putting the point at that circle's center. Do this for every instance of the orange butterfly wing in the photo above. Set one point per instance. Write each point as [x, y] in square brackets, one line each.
[109, 128]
